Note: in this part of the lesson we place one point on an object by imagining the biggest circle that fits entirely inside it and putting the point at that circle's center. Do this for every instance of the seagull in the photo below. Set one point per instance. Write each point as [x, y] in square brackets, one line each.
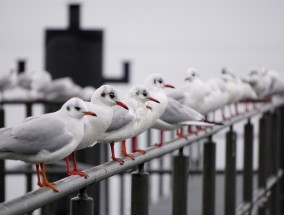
[233, 88]
[35, 82]
[219, 96]
[126, 124]
[193, 93]
[102, 102]
[7, 80]
[176, 116]
[61, 89]
[46, 138]
[246, 91]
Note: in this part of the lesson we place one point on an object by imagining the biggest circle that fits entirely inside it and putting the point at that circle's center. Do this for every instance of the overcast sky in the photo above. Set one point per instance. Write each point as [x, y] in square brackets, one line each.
[158, 36]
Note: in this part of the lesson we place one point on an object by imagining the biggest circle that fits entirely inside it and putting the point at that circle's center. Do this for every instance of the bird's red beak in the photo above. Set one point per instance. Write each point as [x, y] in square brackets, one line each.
[89, 113]
[169, 86]
[154, 100]
[121, 104]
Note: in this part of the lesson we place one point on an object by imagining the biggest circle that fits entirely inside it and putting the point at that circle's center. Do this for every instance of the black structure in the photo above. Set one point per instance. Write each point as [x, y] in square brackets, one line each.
[77, 53]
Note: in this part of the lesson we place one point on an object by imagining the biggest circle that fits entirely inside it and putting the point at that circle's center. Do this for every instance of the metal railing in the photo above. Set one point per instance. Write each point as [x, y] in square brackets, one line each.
[268, 196]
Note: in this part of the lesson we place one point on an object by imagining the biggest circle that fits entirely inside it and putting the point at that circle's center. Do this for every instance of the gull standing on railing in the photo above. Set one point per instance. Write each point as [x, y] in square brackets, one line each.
[46, 138]
[247, 92]
[126, 124]
[102, 102]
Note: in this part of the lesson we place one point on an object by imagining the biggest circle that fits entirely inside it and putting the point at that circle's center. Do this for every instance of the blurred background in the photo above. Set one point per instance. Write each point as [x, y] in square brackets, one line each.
[159, 36]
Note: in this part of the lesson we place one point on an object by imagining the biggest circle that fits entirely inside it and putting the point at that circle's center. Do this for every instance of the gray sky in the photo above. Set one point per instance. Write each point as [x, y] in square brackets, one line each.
[158, 36]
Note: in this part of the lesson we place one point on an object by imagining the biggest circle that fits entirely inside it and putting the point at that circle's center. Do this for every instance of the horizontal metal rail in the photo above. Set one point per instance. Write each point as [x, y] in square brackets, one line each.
[259, 195]
[40, 197]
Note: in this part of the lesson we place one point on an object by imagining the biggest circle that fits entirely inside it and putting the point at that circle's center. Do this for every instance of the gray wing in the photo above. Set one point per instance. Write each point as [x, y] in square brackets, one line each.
[176, 113]
[35, 134]
[120, 118]
[177, 94]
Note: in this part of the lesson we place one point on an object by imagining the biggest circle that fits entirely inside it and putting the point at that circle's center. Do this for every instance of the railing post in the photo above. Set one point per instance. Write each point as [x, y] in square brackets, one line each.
[82, 204]
[2, 162]
[230, 173]
[140, 192]
[180, 183]
[248, 162]
[281, 152]
[275, 143]
[29, 176]
[262, 170]
[209, 172]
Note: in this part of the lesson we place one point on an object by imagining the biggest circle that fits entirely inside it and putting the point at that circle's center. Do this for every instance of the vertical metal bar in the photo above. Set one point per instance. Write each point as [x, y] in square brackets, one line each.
[262, 159]
[29, 176]
[2, 162]
[230, 173]
[82, 204]
[180, 183]
[275, 140]
[209, 172]
[140, 192]
[161, 178]
[122, 192]
[281, 152]
[248, 163]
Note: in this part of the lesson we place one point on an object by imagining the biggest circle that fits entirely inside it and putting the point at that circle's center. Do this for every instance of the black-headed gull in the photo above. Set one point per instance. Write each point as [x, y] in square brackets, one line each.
[126, 124]
[102, 102]
[46, 138]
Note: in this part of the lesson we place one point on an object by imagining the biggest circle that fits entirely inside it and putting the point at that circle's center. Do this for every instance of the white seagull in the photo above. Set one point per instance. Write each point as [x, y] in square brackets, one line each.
[46, 138]
[126, 124]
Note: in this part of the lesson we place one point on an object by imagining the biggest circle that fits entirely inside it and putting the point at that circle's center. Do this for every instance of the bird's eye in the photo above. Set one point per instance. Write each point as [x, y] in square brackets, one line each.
[193, 74]
[145, 93]
[77, 108]
[68, 108]
[111, 95]
[103, 95]
[160, 81]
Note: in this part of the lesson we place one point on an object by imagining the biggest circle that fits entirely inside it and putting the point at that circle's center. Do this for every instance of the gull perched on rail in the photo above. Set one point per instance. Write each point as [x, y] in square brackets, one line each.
[126, 124]
[46, 138]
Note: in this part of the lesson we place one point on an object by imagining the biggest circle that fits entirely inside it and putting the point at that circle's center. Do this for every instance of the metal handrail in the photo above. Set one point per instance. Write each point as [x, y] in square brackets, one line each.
[38, 198]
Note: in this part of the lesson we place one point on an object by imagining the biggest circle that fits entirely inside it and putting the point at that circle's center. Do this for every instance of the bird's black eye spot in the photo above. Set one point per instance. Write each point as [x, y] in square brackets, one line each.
[103, 95]
[77, 108]
[145, 93]
[160, 81]
[111, 95]
[68, 108]
[193, 74]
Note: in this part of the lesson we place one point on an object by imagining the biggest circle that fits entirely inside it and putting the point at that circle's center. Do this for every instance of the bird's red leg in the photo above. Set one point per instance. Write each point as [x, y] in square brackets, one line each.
[124, 152]
[190, 131]
[119, 160]
[180, 134]
[38, 176]
[161, 139]
[134, 149]
[237, 109]
[76, 171]
[223, 114]
[46, 183]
